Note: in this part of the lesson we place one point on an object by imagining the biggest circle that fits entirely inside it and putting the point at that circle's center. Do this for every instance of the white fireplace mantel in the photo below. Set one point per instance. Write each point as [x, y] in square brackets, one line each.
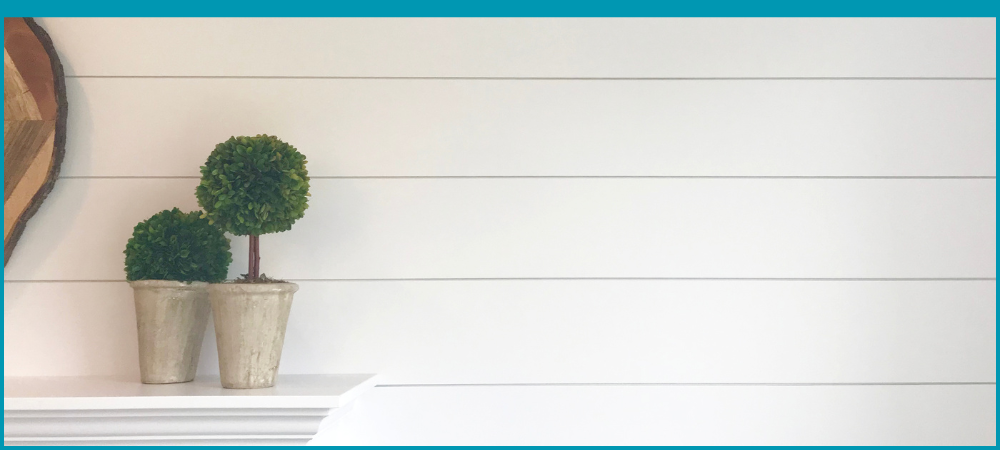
[104, 411]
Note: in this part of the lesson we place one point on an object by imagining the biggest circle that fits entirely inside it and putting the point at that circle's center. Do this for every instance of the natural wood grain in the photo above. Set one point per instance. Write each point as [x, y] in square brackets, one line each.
[23, 194]
[34, 123]
[23, 144]
[33, 60]
[18, 103]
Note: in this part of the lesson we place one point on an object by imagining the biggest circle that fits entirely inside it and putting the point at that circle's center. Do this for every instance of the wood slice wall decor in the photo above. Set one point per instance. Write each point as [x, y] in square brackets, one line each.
[34, 124]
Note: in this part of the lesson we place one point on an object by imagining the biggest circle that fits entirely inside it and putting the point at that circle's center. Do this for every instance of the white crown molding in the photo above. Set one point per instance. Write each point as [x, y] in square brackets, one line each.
[104, 411]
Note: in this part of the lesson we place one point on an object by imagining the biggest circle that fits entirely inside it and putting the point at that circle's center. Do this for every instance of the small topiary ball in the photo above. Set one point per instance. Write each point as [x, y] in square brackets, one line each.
[173, 245]
[254, 185]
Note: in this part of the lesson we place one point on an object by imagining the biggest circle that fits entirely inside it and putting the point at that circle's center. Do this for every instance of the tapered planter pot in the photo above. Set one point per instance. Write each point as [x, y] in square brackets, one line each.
[250, 321]
[171, 317]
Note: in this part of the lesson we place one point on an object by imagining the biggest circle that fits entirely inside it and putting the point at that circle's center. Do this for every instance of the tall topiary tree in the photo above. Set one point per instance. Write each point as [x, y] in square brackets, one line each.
[252, 186]
[179, 246]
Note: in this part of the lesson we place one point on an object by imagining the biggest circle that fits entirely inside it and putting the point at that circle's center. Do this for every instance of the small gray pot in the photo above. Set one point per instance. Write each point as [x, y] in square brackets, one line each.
[250, 321]
[171, 317]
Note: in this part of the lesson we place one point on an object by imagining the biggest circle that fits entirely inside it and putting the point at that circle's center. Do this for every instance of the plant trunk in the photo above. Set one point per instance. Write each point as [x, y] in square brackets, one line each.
[253, 272]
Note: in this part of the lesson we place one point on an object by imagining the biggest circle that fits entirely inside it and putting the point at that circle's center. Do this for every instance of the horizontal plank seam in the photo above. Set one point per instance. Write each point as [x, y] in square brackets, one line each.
[473, 78]
[915, 383]
[723, 177]
[349, 280]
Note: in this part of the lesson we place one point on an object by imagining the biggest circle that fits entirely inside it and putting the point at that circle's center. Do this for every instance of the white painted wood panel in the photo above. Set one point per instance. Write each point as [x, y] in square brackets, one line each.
[671, 415]
[75, 329]
[167, 127]
[528, 47]
[344, 91]
[512, 228]
[441, 332]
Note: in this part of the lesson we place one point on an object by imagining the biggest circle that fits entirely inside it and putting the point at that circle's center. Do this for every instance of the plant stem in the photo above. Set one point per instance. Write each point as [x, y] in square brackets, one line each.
[254, 267]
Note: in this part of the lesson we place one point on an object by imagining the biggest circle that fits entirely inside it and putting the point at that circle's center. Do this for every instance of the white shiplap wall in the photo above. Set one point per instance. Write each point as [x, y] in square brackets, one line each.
[563, 231]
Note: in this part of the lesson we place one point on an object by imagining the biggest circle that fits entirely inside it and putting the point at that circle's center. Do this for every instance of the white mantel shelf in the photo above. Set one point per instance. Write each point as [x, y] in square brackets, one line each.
[103, 411]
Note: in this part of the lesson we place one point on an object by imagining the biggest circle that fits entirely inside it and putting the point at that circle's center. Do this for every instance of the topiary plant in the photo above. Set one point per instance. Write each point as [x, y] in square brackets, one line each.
[173, 245]
[252, 186]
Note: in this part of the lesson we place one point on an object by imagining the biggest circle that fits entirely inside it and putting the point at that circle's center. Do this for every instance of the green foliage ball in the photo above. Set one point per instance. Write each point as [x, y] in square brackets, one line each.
[173, 245]
[254, 185]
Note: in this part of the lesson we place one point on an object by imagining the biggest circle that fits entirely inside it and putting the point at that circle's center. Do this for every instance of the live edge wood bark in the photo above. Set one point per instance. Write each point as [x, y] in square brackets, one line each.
[34, 118]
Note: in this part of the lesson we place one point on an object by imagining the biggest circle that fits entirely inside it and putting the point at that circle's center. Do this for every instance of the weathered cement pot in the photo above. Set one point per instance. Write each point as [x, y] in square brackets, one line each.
[250, 321]
[171, 317]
